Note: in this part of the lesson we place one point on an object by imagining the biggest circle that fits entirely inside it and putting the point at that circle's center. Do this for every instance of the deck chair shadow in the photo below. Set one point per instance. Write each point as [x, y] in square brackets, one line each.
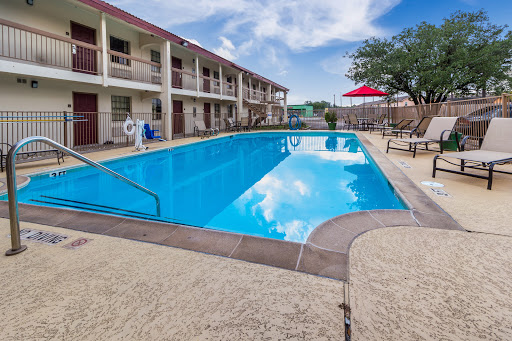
[438, 132]
[495, 150]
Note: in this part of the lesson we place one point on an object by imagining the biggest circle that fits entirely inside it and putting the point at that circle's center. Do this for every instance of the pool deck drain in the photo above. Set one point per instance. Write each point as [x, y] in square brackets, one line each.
[325, 253]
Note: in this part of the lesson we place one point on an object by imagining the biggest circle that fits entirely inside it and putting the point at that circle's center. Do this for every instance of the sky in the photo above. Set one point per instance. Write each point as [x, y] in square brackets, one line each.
[299, 44]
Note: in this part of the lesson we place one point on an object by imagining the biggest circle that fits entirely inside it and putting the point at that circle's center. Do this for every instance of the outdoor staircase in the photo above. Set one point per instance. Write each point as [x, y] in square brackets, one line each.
[258, 109]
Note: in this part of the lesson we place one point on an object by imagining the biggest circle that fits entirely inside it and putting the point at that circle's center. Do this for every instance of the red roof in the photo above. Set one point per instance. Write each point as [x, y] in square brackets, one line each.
[133, 20]
[365, 91]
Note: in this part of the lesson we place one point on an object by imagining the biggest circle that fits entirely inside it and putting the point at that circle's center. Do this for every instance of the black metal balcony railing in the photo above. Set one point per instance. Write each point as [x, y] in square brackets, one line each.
[80, 131]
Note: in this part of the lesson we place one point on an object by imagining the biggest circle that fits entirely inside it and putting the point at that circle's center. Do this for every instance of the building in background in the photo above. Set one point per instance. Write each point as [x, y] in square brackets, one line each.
[89, 64]
[303, 110]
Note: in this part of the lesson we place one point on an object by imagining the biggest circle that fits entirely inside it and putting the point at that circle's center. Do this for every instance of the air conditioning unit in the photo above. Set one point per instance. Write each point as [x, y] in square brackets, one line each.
[156, 79]
[121, 73]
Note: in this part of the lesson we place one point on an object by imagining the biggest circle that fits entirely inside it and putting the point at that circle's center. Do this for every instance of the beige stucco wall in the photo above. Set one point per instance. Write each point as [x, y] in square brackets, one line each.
[53, 16]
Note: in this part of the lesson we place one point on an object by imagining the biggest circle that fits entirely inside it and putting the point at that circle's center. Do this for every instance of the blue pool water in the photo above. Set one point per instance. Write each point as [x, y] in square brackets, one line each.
[276, 185]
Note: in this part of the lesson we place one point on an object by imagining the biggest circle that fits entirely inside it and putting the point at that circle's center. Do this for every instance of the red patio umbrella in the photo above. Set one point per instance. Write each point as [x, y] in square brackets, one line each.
[364, 92]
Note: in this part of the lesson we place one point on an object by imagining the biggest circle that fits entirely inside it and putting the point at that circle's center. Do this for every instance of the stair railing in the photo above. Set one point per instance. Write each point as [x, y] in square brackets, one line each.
[12, 187]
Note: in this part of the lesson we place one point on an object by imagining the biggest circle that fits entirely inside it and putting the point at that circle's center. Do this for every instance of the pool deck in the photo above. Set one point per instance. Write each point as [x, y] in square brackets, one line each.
[437, 284]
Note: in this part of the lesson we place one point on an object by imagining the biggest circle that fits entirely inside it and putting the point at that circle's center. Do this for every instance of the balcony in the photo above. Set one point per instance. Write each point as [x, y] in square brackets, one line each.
[209, 85]
[254, 95]
[185, 80]
[33, 46]
[229, 89]
[128, 67]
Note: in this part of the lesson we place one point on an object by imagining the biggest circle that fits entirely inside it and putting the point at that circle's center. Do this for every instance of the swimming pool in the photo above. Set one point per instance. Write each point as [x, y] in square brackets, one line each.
[275, 185]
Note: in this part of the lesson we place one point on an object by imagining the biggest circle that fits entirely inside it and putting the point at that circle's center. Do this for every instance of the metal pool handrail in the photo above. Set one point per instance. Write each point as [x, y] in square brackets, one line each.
[12, 190]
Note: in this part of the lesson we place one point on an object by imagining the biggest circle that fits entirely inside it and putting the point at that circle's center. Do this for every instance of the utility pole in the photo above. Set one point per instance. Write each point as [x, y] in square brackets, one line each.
[341, 100]
[334, 105]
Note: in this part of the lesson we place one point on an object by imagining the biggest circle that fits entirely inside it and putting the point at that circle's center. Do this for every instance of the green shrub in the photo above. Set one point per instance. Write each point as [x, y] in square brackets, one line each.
[330, 117]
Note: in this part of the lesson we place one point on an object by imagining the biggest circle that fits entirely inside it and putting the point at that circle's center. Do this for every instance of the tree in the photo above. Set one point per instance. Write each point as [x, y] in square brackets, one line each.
[465, 53]
[318, 105]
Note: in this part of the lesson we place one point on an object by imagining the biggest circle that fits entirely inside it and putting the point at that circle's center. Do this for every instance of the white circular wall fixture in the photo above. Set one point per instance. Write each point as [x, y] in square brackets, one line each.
[432, 184]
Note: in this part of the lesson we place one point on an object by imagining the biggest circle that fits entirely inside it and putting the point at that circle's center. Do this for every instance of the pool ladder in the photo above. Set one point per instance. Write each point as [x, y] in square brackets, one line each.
[12, 187]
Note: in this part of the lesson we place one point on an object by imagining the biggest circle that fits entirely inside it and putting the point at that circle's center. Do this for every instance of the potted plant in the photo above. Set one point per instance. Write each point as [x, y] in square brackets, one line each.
[331, 119]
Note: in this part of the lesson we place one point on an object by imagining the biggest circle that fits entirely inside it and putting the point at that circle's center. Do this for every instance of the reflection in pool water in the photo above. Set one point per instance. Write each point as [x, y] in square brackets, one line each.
[273, 184]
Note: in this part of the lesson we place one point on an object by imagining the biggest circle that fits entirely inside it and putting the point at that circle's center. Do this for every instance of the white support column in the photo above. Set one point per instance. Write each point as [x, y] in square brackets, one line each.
[239, 100]
[285, 104]
[221, 81]
[250, 89]
[104, 54]
[166, 96]
[197, 73]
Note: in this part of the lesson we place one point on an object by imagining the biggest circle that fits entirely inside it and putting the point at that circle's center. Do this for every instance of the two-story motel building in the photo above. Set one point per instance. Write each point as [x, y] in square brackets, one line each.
[72, 70]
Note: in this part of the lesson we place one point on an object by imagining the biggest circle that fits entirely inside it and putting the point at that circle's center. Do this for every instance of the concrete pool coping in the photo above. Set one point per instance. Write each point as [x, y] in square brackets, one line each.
[325, 253]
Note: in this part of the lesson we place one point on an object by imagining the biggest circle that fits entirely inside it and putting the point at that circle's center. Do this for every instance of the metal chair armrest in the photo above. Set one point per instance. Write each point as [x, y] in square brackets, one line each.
[466, 138]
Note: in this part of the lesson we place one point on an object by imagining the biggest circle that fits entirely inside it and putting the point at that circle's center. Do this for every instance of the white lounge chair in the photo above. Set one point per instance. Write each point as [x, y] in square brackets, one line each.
[438, 132]
[201, 129]
[496, 149]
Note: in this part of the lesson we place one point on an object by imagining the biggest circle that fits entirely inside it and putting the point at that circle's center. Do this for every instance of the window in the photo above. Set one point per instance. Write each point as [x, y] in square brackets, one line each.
[156, 108]
[216, 76]
[122, 46]
[155, 57]
[216, 110]
[194, 112]
[229, 79]
[230, 110]
[121, 106]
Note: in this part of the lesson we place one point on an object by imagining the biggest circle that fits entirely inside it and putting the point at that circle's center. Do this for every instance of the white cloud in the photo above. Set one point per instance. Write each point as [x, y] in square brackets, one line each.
[302, 188]
[299, 24]
[337, 64]
[347, 157]
[227, 50]
[296, 230]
